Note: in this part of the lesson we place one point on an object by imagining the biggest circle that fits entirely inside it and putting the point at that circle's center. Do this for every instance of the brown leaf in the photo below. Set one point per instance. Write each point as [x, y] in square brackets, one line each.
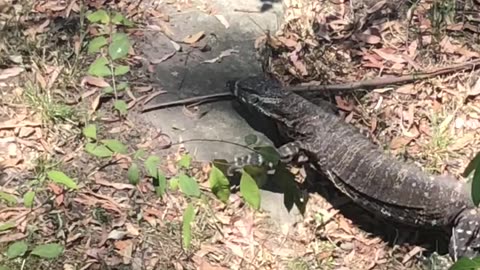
[407, 89]
[222, 19]
[475, 89]
[25, 132]
[462, 143]
[8, 163]
[11, 237]
[132, 230]
[10, 72]
[95, 81]
[412, 49]
[389, 56]
[95, 103]
[190, 39]
[164, 58]
[399, 142]
[118, 186]
[288, 42]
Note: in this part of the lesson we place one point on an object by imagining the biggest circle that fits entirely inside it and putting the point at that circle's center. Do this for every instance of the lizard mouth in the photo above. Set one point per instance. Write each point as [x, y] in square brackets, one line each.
[231, 86]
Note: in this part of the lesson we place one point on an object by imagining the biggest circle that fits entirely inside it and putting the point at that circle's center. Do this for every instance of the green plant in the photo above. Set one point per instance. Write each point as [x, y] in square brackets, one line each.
[111, 47]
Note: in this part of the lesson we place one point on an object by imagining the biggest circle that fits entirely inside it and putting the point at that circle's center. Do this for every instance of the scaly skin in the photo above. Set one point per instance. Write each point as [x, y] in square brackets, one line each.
[381, 184]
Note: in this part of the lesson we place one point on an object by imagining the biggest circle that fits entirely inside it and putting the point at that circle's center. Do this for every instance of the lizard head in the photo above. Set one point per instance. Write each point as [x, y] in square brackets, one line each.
[465, 239]
[261, 93]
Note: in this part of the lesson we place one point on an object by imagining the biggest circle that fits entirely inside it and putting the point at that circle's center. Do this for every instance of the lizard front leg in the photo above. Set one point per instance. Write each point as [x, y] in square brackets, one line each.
[286, 152]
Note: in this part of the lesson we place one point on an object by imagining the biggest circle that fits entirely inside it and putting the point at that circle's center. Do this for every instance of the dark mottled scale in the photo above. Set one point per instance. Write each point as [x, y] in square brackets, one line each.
[358, 167]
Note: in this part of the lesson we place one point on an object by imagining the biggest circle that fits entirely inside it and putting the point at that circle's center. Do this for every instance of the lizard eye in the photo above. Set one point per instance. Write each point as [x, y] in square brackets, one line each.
[253, 99]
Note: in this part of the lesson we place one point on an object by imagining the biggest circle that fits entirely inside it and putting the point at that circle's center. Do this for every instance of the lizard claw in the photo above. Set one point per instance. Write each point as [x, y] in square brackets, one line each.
[465, 239]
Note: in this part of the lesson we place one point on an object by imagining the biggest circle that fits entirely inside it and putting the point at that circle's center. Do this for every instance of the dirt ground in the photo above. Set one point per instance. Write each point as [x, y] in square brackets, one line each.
[83, 184]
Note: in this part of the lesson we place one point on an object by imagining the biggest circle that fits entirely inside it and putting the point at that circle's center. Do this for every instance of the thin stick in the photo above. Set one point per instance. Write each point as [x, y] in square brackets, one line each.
[378, 82]
[366, 84]
[206, 98]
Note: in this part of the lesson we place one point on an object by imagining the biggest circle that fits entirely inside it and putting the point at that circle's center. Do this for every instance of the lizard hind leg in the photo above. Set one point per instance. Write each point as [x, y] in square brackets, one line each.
[465, 239]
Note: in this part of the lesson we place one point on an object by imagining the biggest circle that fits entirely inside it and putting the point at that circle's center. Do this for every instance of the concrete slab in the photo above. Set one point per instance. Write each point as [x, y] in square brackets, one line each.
[186, 75]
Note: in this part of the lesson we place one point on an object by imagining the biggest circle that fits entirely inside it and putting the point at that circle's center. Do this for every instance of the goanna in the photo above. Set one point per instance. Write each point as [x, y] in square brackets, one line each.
[357, 167]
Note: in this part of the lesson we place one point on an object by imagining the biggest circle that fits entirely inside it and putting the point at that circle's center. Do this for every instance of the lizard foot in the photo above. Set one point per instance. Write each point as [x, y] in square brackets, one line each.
[465, 239]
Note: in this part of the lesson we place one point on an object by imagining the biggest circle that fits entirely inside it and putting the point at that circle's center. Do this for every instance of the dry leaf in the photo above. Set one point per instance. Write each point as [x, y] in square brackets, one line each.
[164, 58]
[399, 142]
[95, 103]
[475, 89]
[288, 42]
[388, 56]
[407, 89]
[132, 230]
[190, 39]
[115, 185]
[221, 56]
[8, 163]
[224, 21]
[176, 46]
[95, 81]
[10, 72]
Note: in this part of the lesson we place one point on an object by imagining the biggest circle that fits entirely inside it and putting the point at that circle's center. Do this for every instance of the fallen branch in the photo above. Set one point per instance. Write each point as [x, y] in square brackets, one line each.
[380, 82]
[366, 84]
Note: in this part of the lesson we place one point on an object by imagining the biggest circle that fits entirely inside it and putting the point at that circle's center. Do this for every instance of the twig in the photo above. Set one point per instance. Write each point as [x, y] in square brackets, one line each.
[378, 82]
[366, 84]
[206, 98]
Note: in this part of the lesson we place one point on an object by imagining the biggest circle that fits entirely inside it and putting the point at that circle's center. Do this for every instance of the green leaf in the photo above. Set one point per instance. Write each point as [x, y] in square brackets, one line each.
[90, 131]
[127, 22]
[140, 153]
[117, 18]
[269, 153]
[465, 264]
[4, 268]
[251, 139]
[161, 188]
[185, 161]
[219, 184]
[28, 198]
[173, 183]
[151, 164]
[472, 165]
[61, 178]
[115, 145]
[96, 44]
[48, 251]
[476, 187]
[188, 186]
[98, 150]
[188, 216]
[249, 190]
[119, 47]
[291, 193]
[121, 106]
[258, 173]
[17, 249]
[99, 16]
[133, 174]
[120, 87]
[7, 226]
[99, 68]
[121, 70]
[9, 198]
